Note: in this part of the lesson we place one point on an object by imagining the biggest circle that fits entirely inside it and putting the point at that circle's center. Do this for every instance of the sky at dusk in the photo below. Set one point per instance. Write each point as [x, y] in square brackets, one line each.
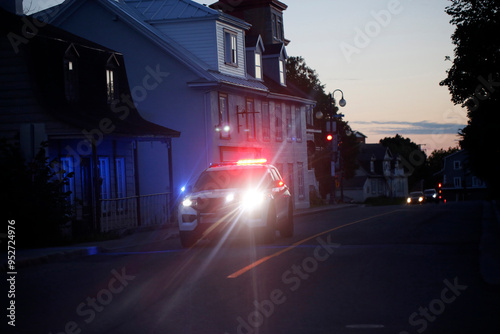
[387, 56]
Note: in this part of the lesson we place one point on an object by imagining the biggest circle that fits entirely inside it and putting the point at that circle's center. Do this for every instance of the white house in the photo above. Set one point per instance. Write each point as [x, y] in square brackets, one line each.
[380, 174]
[199, 71]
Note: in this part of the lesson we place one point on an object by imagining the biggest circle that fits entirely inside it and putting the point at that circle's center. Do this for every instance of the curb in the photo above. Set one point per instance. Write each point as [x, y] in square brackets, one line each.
[82, 251]
[51, 257]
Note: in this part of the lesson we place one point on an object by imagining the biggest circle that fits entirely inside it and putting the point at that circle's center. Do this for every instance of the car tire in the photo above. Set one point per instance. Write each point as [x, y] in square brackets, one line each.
[267, 234]
[287, 229]
[188, 238]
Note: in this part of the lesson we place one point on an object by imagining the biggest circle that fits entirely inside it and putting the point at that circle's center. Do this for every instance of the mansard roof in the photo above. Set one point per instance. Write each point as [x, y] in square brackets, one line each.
[41, 58]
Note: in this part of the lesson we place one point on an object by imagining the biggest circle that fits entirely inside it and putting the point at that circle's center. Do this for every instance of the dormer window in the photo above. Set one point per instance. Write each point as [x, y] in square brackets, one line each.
[70, 79]
[282, 72]
[71, 56]
[110, 85]
[111, 76]
[230, 45]
[258, 66]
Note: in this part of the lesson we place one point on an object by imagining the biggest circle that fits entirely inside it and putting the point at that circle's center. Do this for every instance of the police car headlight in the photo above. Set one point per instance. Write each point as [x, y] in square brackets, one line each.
[253, 199]
[408, 200]
[230, 198]
[187, 202]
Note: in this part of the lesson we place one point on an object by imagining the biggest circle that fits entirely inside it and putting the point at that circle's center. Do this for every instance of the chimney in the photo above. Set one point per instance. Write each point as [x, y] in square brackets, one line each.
[13, 6]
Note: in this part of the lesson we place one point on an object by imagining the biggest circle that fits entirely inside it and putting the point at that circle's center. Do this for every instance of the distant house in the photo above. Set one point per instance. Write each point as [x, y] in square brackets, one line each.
[458, 182]
[380, 174]
[222, 81]
[59, 88]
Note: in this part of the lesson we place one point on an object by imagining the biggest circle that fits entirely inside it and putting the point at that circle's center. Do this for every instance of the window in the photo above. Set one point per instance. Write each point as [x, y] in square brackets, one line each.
[298, 124]
[290, 180]
[457, 182]
[230, 45]
[67, 167]
[277, 27]
[300, 180]
[279, 122]
[111, 91]
[457, 164]
[70, 79]
[250, 119]
[105, 181]
[282, 72]
[258, 66]
[121, 191]
[266, 122]
[288, 118]
[476, 182]
[374, 186]
[224, 127]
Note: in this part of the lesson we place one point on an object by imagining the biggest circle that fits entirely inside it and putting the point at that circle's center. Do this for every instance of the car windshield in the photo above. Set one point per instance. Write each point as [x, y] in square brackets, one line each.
[232, 178]
[429, 192]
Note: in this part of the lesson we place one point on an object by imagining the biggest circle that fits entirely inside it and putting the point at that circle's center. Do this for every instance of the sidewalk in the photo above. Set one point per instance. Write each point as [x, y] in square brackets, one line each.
[29, 257]
[489, 246]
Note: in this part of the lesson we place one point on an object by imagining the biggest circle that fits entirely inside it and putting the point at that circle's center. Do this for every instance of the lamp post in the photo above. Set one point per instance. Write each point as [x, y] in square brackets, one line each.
[335, 152]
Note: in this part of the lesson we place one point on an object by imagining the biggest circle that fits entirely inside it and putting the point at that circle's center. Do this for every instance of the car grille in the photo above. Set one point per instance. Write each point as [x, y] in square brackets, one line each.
[210, 205]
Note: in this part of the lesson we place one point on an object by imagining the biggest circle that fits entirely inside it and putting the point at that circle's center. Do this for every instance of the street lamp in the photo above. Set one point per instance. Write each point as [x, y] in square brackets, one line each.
[342, 102]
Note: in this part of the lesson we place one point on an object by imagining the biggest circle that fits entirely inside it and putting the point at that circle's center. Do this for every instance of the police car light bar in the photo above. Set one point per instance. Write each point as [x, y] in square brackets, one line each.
[251, 162]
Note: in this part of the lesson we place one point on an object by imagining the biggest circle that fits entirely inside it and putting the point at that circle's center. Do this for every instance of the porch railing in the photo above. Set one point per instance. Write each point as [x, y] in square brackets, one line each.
[120, 213]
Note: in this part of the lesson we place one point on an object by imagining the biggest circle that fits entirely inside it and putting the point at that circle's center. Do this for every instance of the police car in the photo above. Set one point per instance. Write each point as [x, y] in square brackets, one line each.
[227, 196]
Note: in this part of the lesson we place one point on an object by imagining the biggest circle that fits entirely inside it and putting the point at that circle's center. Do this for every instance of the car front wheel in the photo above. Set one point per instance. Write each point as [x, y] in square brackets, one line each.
[287, 229]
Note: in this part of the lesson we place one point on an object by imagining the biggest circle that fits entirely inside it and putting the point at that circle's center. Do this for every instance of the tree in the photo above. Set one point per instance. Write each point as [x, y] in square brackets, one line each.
[33, 196]
[474, 81]
[307, 80]
[412, 158]
[435, 164]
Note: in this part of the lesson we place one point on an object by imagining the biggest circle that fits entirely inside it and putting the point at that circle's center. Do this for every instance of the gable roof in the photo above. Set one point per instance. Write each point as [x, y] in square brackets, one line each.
[253, 42]
[171, 9]
[373, 152]
[166, 10]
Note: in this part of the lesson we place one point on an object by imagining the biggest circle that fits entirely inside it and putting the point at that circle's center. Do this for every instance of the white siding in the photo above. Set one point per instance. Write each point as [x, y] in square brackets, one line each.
[240, 69]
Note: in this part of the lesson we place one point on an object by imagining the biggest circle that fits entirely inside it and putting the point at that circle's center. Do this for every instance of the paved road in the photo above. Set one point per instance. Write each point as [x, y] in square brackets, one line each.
[395, 269]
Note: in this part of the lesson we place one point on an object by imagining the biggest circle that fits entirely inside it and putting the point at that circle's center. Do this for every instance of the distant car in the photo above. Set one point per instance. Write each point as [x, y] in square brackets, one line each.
[430, 195]
[416, 197]
[226, 196]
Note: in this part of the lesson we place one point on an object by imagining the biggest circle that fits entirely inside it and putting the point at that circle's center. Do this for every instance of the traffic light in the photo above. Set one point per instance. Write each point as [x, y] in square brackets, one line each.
[329, 137]
[439, 190]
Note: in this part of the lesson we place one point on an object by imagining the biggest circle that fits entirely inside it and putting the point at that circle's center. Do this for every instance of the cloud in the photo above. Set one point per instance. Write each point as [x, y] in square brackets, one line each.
[408, 128]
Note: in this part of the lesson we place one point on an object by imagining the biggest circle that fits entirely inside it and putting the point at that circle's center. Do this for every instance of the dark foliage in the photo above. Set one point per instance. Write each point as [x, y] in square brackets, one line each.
[32, 195]
[474, 81]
